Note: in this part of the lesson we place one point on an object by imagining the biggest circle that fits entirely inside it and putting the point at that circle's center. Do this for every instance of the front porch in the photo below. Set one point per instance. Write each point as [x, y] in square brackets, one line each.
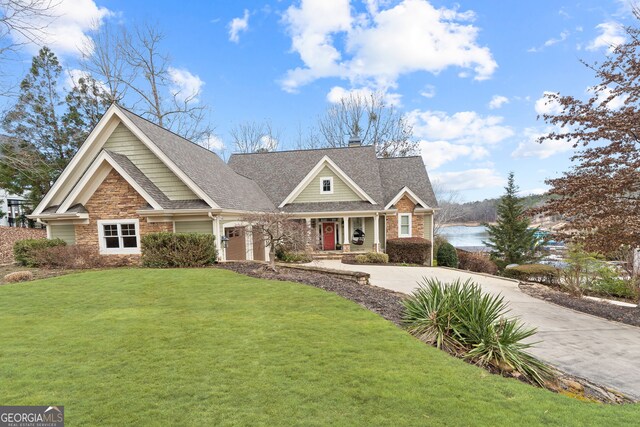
[347, 234]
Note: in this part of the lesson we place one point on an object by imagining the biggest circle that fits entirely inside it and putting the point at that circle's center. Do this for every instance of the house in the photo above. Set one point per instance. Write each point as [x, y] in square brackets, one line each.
[11, 205]
[132, 177]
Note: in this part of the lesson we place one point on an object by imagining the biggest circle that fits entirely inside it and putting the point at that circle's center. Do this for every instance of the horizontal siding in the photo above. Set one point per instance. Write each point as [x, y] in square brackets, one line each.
[204, 227]
[123, 141]
[341, 191]
[368, 235]
[428, 223]
[66, 232]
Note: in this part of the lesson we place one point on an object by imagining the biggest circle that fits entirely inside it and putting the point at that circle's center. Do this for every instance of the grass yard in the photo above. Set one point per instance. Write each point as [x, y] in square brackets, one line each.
[211, 347]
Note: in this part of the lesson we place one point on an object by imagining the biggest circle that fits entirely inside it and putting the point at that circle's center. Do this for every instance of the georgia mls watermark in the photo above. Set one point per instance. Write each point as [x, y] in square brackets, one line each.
[31, 416]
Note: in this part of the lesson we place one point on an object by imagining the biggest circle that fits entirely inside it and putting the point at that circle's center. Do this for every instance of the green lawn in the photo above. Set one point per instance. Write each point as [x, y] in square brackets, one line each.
[210, 347]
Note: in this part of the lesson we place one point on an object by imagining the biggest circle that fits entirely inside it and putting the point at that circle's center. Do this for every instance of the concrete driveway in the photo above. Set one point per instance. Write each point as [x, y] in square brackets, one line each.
[605, 352]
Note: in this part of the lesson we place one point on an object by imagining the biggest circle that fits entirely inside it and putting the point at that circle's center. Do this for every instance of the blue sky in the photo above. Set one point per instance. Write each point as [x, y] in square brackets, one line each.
[468, 74]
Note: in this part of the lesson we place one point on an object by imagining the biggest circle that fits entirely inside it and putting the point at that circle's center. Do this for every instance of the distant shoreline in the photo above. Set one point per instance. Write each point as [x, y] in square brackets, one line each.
[464, 224]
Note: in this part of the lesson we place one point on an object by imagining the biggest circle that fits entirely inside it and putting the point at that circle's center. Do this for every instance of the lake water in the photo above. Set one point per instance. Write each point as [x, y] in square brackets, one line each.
[465, 236]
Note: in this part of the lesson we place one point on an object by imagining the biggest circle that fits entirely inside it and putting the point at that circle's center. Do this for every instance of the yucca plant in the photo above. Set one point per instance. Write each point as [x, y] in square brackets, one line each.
[459, 318]
[430, 312]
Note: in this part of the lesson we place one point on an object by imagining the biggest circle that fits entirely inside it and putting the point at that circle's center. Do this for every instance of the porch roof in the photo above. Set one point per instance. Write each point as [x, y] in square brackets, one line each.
[320, 207]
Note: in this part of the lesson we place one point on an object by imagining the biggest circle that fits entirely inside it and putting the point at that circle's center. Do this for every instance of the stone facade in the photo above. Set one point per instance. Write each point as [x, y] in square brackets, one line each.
[116, 199]
[405, 205]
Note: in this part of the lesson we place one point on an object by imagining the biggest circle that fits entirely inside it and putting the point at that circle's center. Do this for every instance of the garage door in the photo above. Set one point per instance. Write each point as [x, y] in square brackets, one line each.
[236, 246]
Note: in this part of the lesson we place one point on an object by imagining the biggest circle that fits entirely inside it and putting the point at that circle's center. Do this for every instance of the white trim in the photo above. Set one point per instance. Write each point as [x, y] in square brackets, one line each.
[90, 180]
[84, 148]
[167, 161]
[414, 198]
[322, 180]
[248, 234]
[118, 251]
[400, 215]
[106, 123]
[315, 171]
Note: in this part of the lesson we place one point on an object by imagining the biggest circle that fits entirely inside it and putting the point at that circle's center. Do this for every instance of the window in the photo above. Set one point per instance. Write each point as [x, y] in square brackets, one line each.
[119, 236]
[404, 225]
[326, 185]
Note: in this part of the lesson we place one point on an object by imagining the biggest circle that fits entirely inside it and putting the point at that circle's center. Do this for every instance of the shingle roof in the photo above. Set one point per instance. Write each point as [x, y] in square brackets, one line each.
[398, 172]
[331, 207]
[279, 172]
[224, 186]
[148, 186]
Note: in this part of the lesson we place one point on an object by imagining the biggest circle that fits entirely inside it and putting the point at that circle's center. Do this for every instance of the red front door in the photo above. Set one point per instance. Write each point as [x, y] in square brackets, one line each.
[328, 236]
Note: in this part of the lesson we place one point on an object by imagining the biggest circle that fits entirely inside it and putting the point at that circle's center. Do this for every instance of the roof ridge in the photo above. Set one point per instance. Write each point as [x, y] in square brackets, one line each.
[300, 150]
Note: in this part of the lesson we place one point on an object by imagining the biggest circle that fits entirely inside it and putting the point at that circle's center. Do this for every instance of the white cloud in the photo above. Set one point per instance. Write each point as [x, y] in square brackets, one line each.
[238, 25]
[498, 101]
[445, 138]
[614, 104]
[65, 30]
[462, 127]
[471, 179]
[74, 75]
[337, 93]
[437, 153]
[381, 44]
[185, 86]
[269, 143]
[550, 42]
[544, 105]
[611, 35]
[214, 143]
[530, 147]
[429, 91]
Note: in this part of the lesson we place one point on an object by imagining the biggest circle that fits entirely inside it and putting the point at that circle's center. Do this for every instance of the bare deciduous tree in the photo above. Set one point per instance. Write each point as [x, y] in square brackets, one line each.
[23, 19]
[278, 229]
[370, 118]
[448, 206]
[255, 137]
[136, 70]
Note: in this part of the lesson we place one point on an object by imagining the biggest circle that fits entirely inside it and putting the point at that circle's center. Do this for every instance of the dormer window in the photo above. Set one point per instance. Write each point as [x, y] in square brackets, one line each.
[326, 185]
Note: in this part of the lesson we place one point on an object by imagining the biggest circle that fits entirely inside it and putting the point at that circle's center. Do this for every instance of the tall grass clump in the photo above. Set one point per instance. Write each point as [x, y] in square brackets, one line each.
[459, 318]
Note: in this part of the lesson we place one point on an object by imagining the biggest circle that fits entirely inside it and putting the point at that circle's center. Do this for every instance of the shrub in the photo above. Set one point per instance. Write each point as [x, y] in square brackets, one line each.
[447, 256]
[24, 251]
[461, 319]
[361, 259]
[294, 257]
[18, 276]
[372, 258]
[414, 250]
[540, 273]
[162, 250]
[476, 262]
[69, 257]
[608, 282]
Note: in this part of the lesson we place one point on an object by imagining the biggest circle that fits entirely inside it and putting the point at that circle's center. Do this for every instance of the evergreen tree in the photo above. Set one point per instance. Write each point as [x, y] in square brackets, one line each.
[46, 128]
[511, 239]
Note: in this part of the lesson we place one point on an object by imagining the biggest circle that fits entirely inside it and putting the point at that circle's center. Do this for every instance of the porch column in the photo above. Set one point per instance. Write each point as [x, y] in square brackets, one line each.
[346, 246]
[376, 233]
[309, 244]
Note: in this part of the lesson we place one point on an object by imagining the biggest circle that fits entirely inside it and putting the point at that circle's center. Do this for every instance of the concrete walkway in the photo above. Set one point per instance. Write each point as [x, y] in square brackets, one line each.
[605, 352]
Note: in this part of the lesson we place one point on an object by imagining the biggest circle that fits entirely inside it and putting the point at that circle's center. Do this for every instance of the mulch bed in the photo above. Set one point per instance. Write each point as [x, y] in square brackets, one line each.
[38, 273]
[627, 315]
[384, 302]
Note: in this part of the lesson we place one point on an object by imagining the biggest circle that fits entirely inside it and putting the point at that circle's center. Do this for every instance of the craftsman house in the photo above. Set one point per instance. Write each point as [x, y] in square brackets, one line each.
[132, 177]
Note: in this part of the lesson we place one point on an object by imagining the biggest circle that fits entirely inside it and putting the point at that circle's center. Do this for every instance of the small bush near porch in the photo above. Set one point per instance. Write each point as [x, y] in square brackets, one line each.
[163, 250]
[414, 250]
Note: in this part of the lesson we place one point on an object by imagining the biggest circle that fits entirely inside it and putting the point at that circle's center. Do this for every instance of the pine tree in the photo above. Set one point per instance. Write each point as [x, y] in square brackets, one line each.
[511, 239]
[46, 129]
